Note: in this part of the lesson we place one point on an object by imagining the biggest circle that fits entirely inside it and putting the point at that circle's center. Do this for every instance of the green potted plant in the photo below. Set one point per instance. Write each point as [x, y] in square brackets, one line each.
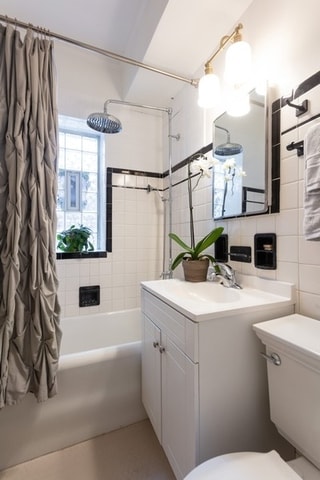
[75, 239]
[194, 261]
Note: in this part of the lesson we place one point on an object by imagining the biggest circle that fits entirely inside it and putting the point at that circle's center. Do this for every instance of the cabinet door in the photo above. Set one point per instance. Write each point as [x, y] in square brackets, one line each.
[151, 374]
[180, 406]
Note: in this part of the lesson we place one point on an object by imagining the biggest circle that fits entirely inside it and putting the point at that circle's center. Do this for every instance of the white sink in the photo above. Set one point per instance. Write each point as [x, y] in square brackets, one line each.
[207, 300]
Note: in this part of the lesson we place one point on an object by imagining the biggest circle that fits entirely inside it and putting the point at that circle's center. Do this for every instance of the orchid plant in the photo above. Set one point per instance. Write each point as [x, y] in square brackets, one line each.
[200, 167]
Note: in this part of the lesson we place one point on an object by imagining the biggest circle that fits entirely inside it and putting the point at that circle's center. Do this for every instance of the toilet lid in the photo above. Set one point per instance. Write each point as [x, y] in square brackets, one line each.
[244, 466]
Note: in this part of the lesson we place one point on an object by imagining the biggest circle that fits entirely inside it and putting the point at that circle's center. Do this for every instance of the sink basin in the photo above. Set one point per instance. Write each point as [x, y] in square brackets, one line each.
[207, 300]
[199, 292]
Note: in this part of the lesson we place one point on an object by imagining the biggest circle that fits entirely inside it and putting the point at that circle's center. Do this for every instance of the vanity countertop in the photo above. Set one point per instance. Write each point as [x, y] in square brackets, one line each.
[208, 300]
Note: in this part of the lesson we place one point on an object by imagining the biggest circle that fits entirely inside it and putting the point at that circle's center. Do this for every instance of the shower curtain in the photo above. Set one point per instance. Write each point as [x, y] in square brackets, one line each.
[29, 309]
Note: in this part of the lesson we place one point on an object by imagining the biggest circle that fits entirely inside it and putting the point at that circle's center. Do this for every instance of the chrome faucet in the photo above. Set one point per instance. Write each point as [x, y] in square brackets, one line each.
[227, 275]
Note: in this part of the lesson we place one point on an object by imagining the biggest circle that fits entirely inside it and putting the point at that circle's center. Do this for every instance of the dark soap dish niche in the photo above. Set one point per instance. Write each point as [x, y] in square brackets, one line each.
[265, 251]
[89, 296]
[221, 248]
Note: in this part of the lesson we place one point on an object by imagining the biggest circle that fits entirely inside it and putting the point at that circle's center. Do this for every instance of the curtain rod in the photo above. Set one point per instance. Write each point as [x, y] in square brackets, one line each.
[101, 51]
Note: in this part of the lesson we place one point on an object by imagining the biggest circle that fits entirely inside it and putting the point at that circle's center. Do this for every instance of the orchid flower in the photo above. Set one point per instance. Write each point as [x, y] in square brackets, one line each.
[203, 166]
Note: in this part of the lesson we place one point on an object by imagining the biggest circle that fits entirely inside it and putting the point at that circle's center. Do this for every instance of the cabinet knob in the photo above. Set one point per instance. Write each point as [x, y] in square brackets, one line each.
[155, 344]
[161, 349]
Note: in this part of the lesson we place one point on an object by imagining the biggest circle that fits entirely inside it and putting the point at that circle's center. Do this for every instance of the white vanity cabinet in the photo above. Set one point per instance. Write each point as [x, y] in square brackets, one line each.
[170, 382]
[204, 383]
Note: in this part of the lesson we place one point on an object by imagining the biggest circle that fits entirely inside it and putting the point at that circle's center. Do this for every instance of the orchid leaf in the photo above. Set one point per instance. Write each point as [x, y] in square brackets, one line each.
[195, 253]
[178, 260]
[210, 257]
[180, 242]
[208, 240]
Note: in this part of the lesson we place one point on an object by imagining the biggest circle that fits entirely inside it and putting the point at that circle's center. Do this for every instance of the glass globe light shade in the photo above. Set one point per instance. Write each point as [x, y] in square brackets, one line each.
[238, 63]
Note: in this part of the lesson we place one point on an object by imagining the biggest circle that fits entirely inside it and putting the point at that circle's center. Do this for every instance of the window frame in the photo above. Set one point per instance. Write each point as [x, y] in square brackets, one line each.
[77, 126]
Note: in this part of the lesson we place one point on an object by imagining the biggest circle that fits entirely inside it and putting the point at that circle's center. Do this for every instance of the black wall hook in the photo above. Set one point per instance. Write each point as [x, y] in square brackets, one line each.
[298, 145]
[300, 109]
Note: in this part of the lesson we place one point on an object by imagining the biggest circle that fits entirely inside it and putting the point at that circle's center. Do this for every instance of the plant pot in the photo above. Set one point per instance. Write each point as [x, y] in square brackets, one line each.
[195, 270]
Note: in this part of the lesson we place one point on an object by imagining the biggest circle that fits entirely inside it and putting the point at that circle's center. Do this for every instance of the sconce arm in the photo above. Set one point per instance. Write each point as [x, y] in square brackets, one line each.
[223, 42]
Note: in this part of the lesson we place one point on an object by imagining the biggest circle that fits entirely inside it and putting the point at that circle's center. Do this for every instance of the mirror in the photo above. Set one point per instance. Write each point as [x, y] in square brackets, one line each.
[240, 175]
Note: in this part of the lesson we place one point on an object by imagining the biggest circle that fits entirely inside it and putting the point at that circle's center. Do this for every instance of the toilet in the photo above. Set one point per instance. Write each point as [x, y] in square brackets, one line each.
[293, 362]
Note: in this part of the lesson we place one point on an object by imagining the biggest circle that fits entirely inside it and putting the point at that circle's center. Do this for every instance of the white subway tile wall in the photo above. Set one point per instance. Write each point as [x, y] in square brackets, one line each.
[298, 260]
[138, 233]
[137, 245]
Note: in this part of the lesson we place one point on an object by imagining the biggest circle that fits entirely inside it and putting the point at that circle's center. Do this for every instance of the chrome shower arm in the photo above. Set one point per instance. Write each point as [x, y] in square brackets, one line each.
[226, 130]
[138, 105]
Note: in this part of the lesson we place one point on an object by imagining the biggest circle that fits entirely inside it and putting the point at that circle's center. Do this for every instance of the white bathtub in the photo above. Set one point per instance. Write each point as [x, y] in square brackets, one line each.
[99, 389]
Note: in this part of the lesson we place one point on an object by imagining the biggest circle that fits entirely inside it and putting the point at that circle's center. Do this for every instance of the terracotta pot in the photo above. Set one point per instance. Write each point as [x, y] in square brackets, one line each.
[195, 270]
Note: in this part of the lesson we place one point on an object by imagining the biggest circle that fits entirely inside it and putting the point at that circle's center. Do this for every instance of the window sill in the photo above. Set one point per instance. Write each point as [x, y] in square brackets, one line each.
[68, 256]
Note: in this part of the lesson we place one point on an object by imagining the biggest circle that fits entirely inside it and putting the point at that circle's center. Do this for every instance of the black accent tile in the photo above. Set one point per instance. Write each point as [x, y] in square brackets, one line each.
[109, 211]
[308, 84]
[139, 173]
[275, 128]
[276, 105]
[86, 255]
[275, 162]
[275, 190]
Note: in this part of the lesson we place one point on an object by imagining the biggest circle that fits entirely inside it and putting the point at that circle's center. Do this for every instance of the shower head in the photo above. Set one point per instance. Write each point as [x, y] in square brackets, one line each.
[103, 122]
[229, 148]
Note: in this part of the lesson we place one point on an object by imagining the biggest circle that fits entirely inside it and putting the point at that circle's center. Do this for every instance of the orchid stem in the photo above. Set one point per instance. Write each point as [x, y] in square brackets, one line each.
[192, 240]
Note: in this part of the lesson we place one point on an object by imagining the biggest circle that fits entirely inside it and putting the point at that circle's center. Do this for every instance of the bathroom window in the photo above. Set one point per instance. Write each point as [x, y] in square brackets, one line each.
[81, 179]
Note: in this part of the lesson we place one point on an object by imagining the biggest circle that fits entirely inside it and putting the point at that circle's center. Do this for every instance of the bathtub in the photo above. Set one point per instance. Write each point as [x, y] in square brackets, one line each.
[99, 389]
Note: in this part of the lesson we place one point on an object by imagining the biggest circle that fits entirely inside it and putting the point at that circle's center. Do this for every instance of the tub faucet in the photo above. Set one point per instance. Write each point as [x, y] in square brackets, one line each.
[227, 275]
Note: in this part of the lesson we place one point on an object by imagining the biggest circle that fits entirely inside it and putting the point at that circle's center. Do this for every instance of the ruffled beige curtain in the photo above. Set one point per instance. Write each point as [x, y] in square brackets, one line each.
[29, 309]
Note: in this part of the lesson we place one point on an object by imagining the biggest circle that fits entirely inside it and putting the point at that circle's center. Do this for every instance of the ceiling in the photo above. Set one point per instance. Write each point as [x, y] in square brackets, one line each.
[177, 36]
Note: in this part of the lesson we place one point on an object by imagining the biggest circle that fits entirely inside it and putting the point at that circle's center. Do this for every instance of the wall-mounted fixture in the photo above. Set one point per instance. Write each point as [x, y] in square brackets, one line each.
[265, 251]
[237, 72]
[89, 296]
[299, 146]
[300, 109]
[221, 248]
[240, 254]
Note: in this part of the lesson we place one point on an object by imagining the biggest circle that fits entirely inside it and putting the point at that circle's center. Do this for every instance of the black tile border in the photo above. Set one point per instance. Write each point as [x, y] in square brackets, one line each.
[307, 85]
[275, 156]
[109, 210]
[70, 256]
[139, 173]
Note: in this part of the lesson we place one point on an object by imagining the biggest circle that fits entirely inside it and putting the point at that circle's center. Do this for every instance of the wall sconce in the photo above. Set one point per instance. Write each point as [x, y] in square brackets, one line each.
[237, 69]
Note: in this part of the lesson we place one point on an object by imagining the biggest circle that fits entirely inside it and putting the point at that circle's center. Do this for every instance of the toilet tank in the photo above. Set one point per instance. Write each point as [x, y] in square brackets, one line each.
[294, 385]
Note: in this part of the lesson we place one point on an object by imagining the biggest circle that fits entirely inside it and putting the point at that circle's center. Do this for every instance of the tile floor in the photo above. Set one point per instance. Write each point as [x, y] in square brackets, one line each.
[131, 453]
